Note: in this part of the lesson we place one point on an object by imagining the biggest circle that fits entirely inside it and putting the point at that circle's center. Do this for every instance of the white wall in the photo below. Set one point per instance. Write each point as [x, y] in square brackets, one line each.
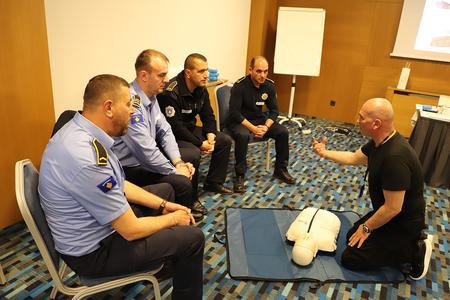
[91, 37]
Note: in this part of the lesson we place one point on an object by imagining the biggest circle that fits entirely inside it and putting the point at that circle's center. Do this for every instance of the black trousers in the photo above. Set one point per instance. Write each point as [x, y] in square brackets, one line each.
[181, 184]
[220, 157]
[242, 136]
[385, 246]
[182, 246]
[191, 153]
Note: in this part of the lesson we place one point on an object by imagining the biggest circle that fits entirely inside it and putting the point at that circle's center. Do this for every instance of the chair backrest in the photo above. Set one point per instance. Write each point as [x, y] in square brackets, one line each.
[27, 179]
[222, 95]
[65, 117]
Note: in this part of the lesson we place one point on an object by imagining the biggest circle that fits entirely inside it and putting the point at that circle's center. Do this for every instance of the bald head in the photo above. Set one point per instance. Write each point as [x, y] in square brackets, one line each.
[258, 70]
[379, 108]
[257, 60]
[376, 118]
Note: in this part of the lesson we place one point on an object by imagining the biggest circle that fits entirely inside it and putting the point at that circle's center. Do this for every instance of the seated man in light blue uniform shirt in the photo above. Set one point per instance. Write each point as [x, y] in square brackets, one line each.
[149, 152]
[103, 225]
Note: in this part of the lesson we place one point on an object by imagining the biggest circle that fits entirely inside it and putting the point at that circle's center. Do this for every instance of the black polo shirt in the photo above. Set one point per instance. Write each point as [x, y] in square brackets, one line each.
[394, 166]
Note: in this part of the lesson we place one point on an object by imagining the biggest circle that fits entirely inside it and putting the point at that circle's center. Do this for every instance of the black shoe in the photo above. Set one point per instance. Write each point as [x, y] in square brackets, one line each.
[420, 267]
[239, 186]
[198, 207]
[283, 174]
[198, 216]
[216, 188]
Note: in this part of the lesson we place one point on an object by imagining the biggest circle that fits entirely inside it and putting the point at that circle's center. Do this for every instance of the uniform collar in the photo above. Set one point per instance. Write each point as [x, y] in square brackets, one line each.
[146, 101]
[251, 83]
[106, 140]
[182, 86]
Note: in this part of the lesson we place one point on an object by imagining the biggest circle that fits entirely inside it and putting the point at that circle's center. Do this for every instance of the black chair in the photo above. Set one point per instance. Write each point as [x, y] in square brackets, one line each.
[222, 94]
[65, 117]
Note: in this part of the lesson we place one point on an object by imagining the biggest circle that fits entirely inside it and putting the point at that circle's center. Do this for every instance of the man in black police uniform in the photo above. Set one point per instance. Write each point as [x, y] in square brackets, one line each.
[184, 98]
[248, 96]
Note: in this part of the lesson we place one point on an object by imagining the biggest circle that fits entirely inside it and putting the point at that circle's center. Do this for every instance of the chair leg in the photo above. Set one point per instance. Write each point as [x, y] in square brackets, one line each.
[62, 270]
[267, 156]
[156, 288]
[2, 276]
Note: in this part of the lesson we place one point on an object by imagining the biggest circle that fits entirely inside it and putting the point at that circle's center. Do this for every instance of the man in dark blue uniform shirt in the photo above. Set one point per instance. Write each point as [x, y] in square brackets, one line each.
[248, 96]
[186, 97]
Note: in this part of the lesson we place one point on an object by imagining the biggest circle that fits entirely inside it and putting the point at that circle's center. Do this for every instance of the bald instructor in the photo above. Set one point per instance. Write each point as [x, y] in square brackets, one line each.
[392, 233]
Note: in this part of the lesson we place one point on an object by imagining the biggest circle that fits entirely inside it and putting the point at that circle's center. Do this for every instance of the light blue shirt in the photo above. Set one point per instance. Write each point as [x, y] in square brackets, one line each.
[148, 132]
[79, 197]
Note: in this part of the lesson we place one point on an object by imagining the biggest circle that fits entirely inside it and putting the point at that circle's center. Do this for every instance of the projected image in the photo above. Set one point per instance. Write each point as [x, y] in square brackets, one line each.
[434, 29]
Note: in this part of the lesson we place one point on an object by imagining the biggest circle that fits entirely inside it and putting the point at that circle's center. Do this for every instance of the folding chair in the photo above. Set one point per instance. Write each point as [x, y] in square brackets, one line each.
[222, 94]
[2, 276]
[27, 178]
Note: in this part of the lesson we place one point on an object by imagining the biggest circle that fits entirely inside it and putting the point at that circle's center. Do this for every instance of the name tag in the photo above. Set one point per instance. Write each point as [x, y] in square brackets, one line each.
[260, 103]
[186, 111]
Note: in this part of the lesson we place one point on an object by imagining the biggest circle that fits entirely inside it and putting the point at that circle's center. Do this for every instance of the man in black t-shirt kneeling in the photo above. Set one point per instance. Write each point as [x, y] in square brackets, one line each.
[392, 234]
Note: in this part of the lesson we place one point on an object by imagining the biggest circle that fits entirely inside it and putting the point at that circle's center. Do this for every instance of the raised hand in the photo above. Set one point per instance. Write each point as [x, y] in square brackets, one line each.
[319, 147]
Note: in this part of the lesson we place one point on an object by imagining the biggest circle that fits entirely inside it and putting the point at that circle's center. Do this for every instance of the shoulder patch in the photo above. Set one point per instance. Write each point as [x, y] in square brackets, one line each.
[136, 101]
[102, 154]
[240, 79]
[270, 80]
[136, 119]
[171, 86]
[107, 184]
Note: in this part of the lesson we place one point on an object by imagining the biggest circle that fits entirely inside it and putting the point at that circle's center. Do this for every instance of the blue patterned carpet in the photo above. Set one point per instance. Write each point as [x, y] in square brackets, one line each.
[319, 182]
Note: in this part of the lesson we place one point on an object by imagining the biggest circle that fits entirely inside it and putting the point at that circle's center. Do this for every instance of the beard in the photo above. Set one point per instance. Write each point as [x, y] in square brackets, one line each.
[120, 128]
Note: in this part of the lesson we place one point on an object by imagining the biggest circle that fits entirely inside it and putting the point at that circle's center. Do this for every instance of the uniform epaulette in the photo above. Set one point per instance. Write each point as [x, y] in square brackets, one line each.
[171, 86]
[102, 154]
[270, 80]
[240, 79]
[136, 101]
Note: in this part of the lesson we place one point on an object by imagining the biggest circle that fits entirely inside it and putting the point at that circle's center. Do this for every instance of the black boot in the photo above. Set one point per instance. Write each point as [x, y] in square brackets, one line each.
[216, 188]
[239, 186]
[283, 174]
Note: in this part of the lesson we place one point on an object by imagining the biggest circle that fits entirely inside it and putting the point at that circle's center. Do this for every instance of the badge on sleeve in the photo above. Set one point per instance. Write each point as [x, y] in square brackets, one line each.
[170, 111]
[100, 151]
[136, 101]
[107, 184]
[136, 118]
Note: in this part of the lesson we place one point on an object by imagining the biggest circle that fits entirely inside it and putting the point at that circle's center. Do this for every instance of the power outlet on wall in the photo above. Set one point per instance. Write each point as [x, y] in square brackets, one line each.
[332, 102]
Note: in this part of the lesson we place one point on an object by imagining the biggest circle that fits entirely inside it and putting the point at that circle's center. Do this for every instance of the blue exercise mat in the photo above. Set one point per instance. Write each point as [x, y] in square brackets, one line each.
[257, 249]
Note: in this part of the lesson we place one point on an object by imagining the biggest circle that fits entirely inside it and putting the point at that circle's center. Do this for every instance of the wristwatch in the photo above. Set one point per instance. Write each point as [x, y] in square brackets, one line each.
[366, 229]
[162, 206]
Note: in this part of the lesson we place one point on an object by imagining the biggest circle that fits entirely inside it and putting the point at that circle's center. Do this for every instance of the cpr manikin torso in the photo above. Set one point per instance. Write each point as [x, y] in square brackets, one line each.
[314, 229]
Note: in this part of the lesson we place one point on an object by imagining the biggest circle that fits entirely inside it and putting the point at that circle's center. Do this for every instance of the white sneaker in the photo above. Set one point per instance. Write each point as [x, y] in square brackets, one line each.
[421, 268]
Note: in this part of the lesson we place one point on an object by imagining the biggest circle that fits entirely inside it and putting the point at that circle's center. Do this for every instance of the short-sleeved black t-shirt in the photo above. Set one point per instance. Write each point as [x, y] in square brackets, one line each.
[394, 166]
